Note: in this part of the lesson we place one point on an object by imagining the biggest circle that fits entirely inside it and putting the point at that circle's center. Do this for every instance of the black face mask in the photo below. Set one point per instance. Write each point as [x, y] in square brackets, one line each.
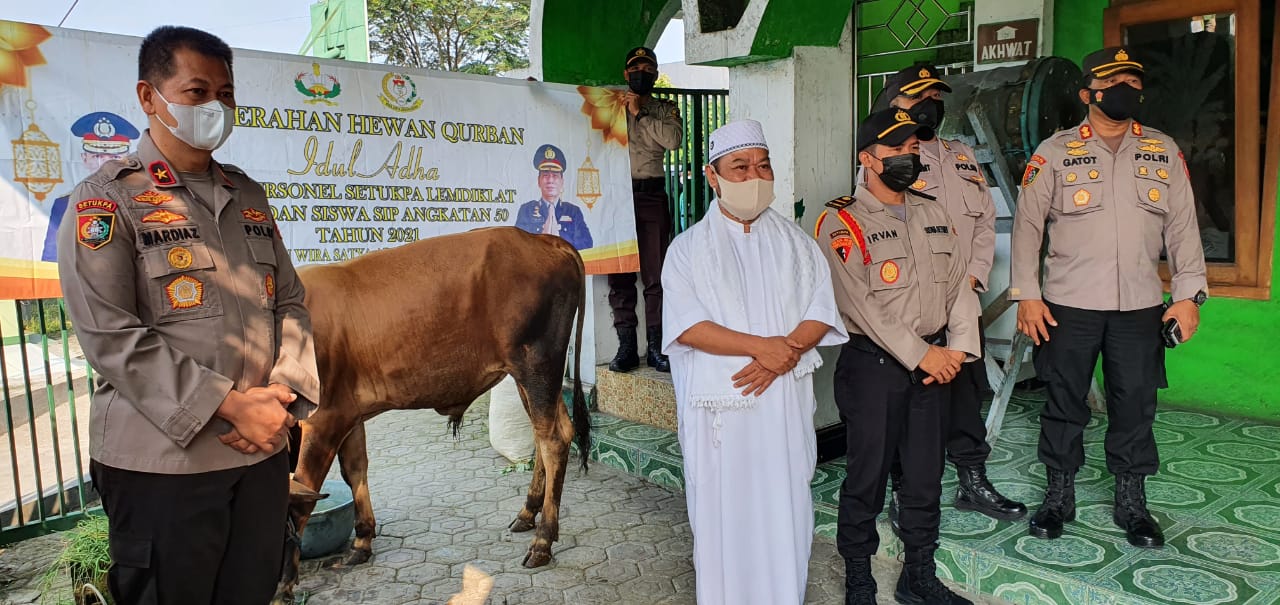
[900, 171]
[928, 112]
[641, 82]
[1119, 102]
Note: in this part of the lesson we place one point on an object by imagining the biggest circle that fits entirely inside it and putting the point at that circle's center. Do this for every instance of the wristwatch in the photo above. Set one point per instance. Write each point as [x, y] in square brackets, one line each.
[1199, 298]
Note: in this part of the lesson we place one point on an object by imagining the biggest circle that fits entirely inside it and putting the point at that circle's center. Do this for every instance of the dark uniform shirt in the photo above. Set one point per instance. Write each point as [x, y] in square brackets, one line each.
[176, 300]
[568, 222]
[651, 132]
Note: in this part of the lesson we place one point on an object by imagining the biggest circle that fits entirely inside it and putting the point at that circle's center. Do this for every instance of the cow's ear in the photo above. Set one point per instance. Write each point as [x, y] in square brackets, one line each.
[301, 494]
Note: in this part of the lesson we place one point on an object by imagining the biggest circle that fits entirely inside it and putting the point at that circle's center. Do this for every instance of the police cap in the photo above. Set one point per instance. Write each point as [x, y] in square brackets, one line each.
[888, 127]
[104, 132]
[641, 54]
[911, 81]
[1108, 62]
[549, 158]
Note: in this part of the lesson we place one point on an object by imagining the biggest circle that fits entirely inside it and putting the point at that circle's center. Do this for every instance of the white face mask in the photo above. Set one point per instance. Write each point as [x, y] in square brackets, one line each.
[205, 126]
[745, 200]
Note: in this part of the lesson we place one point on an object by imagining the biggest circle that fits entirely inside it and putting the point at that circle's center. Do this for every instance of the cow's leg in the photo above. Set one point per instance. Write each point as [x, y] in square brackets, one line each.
[320, 434]
[525, 521]
[552, 433]
[353, 459]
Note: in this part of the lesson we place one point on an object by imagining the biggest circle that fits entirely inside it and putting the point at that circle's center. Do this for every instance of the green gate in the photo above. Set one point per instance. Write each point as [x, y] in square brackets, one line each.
[702, 111]
[46, 395]
[892, 34]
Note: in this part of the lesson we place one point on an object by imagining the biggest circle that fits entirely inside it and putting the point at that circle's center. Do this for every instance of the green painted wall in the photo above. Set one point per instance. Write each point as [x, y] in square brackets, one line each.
[786, 25]
[586, 41]
[1077, 27]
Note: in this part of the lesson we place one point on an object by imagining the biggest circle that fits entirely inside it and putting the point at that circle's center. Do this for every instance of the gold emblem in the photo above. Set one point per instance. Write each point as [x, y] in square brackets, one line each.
[962, 157]
[180, 258]
[919, 184]
[1071, 177]
[163, 216]
[185, 292]
[977, 178]
[1162, 173]
[153, 197]
[889, 272]
[549, 154]
[1152, 148]
[1151, 141]
[1153, 194]
[924, 73]
[901, 116]
[1121, 55]
[1093, 174]
[1077, 152]
[1081, 198]
[1142, 171]
[1075, 144]
[269, 284]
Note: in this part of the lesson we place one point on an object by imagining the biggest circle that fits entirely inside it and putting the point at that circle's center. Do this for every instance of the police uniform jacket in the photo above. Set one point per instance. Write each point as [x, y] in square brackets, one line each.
[1107, 215]
[572, 226]
[951, 175]
[898, 282]
[651, 132]
[177, 300]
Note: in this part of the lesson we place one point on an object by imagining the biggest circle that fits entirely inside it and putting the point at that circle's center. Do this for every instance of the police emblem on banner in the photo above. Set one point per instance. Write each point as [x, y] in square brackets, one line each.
[399, 93]
[94, 231]
[317, 87]
[185, 292]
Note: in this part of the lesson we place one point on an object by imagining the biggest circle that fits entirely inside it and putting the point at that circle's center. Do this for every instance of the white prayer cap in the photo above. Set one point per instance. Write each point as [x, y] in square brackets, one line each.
[735, 136]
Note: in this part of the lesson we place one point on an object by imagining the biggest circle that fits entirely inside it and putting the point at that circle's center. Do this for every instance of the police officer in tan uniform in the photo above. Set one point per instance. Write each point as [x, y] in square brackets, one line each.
[185, 302]
[951, 175]
[1110, 195]
[902, 287]
[653, 127]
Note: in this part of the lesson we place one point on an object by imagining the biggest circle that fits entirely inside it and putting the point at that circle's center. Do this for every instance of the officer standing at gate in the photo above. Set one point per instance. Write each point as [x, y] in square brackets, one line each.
[951, 174]
[1110, 195]
[653, 127]
[902, 288]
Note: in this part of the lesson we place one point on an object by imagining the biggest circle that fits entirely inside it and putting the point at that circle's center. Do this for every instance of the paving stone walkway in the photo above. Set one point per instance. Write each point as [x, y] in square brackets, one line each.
[443, 504]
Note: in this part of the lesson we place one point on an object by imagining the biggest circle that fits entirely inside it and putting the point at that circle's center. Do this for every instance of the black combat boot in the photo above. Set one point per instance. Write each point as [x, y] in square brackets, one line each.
[1059, 505]
[654, 356]
[895, 506]
[919, 584]
[859, 585]
[627, 359]
[977, 493]
[1131, 512]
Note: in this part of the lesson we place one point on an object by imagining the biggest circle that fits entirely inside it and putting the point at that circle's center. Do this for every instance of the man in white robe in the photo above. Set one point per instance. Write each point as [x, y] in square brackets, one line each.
[748, 297]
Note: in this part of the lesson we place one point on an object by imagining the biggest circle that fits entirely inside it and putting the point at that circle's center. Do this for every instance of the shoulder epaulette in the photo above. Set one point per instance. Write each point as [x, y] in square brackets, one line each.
[232, 168]
[841, 202]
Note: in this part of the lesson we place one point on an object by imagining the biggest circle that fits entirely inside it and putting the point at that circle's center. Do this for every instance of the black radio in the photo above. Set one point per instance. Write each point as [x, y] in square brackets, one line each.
[1171, 332]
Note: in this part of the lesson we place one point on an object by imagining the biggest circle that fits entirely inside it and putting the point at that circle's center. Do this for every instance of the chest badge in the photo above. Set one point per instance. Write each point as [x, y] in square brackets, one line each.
[1142, 171]
[270, 286]
[962, 157]
[1093, 174]
[889, 272]
[94, 231]
[180, 258]
[163, 216]
[1162, 173]
[1153, 195]
[153, 197]
[1077, 152]
[1071, 177]
[1081, 198]
[1075, 144]
[185, 292]
[254, 215]
[919, 184]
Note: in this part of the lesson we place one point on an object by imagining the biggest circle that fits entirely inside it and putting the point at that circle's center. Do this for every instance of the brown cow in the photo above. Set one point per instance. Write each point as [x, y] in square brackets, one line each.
[435, 324]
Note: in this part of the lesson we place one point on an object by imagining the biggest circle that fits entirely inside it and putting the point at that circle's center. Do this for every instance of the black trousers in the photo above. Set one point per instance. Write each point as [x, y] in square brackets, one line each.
[967, 433]
[653, 230]
[885, 415]
[212, 538]
[1133, 368]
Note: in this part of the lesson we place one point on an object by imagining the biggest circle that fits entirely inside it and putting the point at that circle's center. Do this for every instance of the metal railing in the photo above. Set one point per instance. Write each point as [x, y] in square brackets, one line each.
[701, 111]
[46, 397]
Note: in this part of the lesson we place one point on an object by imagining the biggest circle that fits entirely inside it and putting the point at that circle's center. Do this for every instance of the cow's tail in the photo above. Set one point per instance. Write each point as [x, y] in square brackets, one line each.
[581, 417]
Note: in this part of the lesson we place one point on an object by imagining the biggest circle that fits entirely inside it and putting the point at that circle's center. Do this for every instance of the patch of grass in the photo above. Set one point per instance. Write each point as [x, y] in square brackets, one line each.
[85, 559]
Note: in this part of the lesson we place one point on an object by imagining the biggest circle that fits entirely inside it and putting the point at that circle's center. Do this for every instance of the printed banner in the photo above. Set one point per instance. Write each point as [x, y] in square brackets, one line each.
[355, 157]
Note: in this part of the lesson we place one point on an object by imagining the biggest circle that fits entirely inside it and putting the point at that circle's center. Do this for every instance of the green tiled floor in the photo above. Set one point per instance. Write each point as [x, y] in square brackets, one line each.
[1217, 497]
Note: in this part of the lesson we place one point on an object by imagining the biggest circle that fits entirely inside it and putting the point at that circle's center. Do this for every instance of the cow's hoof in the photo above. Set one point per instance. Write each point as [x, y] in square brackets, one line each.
[353, 557]
[536, 559]
[520, 525]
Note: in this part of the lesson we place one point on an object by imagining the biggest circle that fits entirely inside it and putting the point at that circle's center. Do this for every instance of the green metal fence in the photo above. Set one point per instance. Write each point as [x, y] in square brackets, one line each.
[702, 111]
[42, 384]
